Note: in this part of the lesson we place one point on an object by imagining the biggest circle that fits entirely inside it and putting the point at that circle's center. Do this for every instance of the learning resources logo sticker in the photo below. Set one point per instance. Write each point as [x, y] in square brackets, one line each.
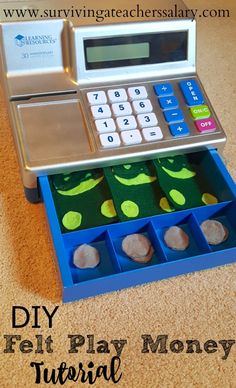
[21, 40]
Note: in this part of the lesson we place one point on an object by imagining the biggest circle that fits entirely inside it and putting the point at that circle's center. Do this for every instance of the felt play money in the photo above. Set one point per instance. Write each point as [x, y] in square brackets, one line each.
[86, 256]
[135, 190]
[82, 200]
[183, 183]
[214, 231]
[176, 239]
[138, 248]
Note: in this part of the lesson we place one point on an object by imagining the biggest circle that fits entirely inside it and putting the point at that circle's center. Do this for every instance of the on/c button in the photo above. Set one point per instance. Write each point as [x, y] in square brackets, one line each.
[206, 125]
[200, 112]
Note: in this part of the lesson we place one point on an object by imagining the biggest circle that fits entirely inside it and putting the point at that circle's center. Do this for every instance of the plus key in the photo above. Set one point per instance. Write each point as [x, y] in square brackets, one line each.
[181, 129]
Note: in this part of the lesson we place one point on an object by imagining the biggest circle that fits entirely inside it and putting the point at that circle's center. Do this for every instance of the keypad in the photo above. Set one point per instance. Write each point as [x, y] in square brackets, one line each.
[174, 116]
[121, 115]
[126, 116]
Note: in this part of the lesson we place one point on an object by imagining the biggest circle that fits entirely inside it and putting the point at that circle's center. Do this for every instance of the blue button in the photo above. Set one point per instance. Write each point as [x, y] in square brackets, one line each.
[168, 102]
[192, 93]
[163, 90]
[174, 115]
[181, 129]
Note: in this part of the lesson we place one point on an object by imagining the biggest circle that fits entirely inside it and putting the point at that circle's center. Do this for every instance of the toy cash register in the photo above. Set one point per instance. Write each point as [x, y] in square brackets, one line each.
[115, 133]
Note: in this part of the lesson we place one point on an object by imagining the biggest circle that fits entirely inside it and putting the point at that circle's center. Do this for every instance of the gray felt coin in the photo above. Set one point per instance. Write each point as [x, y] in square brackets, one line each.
[86, 256]
[176, 239]
[138, 247]
[214, 231]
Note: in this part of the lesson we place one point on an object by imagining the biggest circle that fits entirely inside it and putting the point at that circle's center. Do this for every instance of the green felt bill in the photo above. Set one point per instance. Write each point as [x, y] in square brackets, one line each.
[135, 190]
[183, 182]
[82, 200]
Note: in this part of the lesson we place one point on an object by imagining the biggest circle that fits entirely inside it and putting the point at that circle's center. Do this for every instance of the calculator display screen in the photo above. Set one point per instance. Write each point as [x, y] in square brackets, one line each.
[118, 52]
[104, 53]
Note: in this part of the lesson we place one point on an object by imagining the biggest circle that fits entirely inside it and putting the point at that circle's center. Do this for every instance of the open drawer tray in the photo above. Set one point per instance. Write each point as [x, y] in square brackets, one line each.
[116, 271]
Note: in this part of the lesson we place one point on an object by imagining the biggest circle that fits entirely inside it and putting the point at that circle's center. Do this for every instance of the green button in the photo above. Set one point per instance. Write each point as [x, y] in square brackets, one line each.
[200, 112]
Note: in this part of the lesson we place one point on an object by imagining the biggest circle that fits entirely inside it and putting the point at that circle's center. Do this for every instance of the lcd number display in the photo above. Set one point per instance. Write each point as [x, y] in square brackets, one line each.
[118, 52]
[152, 48]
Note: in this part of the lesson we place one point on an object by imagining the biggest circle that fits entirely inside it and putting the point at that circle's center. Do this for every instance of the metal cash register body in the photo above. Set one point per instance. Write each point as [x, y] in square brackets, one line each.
[59, 73]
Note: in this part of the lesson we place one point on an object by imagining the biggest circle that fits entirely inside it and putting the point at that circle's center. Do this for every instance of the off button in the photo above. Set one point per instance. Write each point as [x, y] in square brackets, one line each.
[206, 125]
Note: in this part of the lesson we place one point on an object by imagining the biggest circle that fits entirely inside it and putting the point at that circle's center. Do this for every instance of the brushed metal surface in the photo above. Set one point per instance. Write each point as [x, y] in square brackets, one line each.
[52, 131]
[34, 69]
[26, 86]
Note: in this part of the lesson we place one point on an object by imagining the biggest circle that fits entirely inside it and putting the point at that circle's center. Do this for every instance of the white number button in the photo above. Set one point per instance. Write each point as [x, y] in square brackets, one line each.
[109, 140]
[117, 95]
[107, 125]
[101, 111]
[147, 120]
[97, 98]
[131, 137]
[126, 123]
[152, 134]
[137, 93]
[143, 106]
[122, 109]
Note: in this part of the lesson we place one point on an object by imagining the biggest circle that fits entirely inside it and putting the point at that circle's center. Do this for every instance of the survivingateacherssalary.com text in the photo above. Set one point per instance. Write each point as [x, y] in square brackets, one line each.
[100, 14]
